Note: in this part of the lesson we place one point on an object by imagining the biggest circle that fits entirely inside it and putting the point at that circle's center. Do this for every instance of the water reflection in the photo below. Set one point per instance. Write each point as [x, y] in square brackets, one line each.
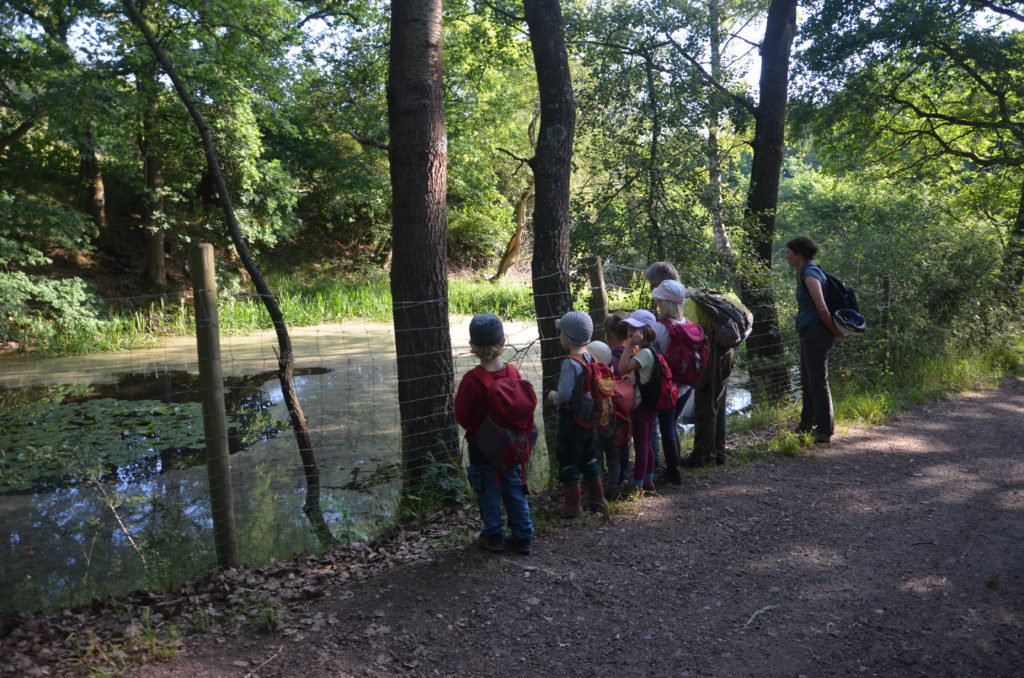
[70, 544]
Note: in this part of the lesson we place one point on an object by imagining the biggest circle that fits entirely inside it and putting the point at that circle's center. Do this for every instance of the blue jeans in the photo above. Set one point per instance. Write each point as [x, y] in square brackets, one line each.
[491, 490]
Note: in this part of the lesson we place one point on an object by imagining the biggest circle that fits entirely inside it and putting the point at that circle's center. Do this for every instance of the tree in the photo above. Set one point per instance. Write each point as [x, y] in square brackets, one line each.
[933, 91]
[765, 346]
[552, 166]
[419, 275]
[286, 357]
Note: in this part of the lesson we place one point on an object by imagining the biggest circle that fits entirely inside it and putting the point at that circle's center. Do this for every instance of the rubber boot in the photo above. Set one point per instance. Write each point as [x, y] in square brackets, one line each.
[595, 495]
[572, 506]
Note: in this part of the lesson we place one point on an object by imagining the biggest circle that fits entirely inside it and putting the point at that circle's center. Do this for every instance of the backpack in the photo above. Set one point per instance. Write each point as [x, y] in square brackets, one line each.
[660, 389]
[838, 295]
[619, 432]
[592, 398]
[507, 435]
[689, 351]
[731, 321]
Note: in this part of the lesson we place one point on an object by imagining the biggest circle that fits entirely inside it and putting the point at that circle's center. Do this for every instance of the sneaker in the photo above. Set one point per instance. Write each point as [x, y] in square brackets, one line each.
[495, 543]
[523, 547]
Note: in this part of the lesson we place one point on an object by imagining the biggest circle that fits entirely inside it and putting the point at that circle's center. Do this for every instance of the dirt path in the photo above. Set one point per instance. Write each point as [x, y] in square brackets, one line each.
[896, 551]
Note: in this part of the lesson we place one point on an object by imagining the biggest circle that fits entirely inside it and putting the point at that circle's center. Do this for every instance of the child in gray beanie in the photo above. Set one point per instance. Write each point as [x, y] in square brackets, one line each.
[574, 447]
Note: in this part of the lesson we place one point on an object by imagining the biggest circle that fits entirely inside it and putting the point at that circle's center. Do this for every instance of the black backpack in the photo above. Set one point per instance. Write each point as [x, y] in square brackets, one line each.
[839, 295]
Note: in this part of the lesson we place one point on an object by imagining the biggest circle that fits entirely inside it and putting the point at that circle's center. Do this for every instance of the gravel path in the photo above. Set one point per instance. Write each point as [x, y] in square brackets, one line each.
[896, 551]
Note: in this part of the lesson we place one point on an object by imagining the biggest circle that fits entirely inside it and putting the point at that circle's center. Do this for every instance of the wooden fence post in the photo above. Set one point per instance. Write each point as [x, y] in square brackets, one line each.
[598, 296]
[215, 422]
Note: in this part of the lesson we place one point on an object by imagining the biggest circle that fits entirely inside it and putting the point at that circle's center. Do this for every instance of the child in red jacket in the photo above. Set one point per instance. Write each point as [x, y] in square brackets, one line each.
[492, 486]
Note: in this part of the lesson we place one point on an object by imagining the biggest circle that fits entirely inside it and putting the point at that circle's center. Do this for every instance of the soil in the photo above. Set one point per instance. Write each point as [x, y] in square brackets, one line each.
[894, 551]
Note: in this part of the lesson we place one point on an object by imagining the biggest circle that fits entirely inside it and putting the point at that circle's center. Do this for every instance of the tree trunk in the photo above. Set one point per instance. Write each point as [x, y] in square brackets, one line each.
[153, 175]
[418, 156]
[93, 195]
[551, 165]
[515, 243]
[764, 347]
[718, 228]
[286, 356]
[1013, 260]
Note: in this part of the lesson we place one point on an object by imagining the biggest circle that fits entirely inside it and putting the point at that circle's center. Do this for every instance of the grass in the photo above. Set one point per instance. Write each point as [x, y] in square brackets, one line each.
[304, 301]
[925, 378]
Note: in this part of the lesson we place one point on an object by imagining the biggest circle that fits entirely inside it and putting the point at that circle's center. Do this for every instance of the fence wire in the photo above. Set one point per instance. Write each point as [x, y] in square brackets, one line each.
[127, 502]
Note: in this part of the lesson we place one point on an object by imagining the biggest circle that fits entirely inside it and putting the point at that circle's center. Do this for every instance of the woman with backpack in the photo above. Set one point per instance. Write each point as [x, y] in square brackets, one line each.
[817, 335]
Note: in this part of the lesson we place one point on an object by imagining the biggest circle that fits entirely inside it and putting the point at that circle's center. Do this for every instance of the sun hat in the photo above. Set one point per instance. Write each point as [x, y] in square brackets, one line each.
[486, 330]
[601, 352]
[670, 290]
[849, 322]
[576, 326]
[641, 318]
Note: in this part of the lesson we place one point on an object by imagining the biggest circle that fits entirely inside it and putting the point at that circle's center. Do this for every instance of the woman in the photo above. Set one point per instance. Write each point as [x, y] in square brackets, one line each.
[817, 334]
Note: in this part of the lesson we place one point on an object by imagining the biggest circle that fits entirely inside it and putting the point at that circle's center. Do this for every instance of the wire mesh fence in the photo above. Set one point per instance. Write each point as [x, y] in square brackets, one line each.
[103, 481]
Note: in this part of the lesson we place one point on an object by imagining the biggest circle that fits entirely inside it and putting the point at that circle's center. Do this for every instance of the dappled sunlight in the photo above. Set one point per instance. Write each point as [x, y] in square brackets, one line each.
[926, 584]
[803, 557]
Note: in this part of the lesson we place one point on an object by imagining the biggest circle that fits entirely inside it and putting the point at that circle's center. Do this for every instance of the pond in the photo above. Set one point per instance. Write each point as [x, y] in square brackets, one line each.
[127, 504]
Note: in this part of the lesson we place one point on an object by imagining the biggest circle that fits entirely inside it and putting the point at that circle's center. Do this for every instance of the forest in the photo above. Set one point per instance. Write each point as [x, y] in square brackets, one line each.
[401, 162]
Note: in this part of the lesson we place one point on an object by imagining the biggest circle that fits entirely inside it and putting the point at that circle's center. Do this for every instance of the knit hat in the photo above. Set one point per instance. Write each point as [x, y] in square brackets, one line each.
[486, 330]
[576, 326]
[641, 318]
[601, 352]
[670, 290]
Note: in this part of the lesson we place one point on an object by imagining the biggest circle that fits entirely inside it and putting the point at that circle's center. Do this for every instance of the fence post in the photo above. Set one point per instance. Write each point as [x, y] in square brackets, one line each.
[215, 423]
[598, 296]
[887, 319]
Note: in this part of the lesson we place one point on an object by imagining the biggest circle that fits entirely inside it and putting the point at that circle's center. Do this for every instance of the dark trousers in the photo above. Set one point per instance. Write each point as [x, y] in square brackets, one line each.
[815, 343]
[709, 407]
[576, 452]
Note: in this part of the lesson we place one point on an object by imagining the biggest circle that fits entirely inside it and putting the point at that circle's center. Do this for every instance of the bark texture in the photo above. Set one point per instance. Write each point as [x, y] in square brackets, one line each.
[418, 153]
[764, 347]
[551, 165]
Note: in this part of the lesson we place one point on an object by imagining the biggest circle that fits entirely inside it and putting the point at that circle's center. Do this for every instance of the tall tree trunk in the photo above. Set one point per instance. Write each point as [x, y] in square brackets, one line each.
[93, 192]
[153, 173]
[764, 347]
[551, 165]
[515, 243]
[723, 246]
[418, 155]
[286, 356]
[655, 190]
[1013, 260]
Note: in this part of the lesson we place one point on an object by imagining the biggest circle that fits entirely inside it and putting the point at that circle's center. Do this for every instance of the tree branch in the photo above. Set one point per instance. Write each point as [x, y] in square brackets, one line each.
[743, 101]
[999, 9]
[20, 131]
[369, 142]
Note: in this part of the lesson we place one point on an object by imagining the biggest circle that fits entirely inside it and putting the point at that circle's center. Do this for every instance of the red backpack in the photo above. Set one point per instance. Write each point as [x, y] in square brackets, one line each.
[660, 389]
[507, 435]
[689, 351]
[622, 405]
[592, 398]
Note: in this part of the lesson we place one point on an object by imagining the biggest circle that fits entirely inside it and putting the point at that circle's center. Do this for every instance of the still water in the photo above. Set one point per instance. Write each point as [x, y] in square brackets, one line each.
[130, 528]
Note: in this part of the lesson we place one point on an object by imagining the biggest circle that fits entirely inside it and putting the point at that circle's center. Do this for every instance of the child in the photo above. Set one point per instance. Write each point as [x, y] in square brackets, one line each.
[575, 444]
[669, 298]
[614, 441]
[639, 356]
[492, 487]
